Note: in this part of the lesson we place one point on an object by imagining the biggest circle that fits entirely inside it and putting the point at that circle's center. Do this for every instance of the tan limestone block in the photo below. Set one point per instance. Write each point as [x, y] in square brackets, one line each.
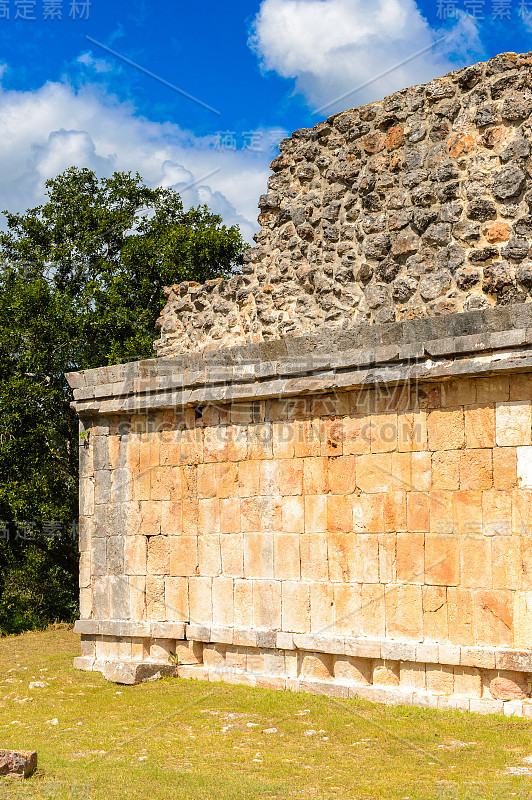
[248, 478]
[475, 562]
[291, 476]
[495, 389]
[176, 599]
[209, 516]
[170, 450]
[479, 426]
[523, 619]
[342, 475]
[445, 428]
[441, 512]
[524, 467]
[460, 615]
[214, 656]
[395, 511]
[296, 606]
[271, 514]
[137, 597]
[410, 557]
[467, 512]
[214, 445]
[237, 443]
[331, 437]
[367, 558]
[387, 558]
[286, 556]
[386, 673]
[258, 555]
[342, 557]
[135, 555]
[497, 513]
[401, 472]
[222, 602]
[283, 439]
[232, 554]
[267, 604]
[315, 476]
[183, 556]
[209, 554]
[383, 433]
[371, 616]
[356, 435]
[155, 605]
[85, 570]
[374, 472]
[347, 605]
[269, 478]
[509, 686]
[315, 513]
[293, 514]
[441, 560]
[236, 658]
[468, 682]
[417, 511]
[313, 555]
[200, 601]
[85, 603]
[250, 514]
[404, 612]
[526, 563]
[493, 612]
[476, 469]
[243, 603]
[150, 518]
[368, 513]
[230, 515]
[440, 679]
[506, 562]
[159, 555]
[458, 392]
[435, 614]
[412, 675]
[189, 481]
[171, 516]
[504, 467]
[321, 608]
[421, 465]
[446, 469]
[513, 421]
[392, 398]
[353, 670]
[192, 446]
[307, 441]
[522, 512]
[161, 483]
[339, 513]
[317, 666]
[226, 479]
[189, 652]
[412, 431]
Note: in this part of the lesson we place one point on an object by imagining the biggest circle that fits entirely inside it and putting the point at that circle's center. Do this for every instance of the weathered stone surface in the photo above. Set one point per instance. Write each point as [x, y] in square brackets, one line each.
[19, 763]
[132, 672]
[412, 201]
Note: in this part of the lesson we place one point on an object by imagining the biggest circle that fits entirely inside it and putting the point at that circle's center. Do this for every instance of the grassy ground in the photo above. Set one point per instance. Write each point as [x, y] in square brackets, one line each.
[187, 739]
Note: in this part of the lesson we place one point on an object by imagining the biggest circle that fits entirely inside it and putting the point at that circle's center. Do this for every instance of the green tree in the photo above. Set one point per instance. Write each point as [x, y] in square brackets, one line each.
[81, 286]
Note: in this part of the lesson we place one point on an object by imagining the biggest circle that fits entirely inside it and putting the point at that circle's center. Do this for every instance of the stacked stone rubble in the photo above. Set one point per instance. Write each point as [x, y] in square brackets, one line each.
[416, 205]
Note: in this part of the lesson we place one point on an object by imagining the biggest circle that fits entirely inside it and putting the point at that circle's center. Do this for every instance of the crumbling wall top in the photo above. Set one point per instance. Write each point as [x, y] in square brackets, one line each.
[416, 205]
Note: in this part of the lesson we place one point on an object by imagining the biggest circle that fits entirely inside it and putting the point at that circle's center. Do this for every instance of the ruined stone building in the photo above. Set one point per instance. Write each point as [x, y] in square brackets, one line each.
[323, 481]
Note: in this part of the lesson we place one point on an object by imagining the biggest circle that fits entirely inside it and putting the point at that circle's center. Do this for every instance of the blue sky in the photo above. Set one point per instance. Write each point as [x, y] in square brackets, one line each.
[267, 67]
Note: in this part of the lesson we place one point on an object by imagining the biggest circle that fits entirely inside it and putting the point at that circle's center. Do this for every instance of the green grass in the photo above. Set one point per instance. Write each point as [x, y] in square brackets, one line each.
[186, 739]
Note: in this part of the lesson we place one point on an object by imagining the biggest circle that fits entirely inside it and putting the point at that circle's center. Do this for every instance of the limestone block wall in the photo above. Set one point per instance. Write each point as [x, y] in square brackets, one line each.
[355, 522]
[416, 205]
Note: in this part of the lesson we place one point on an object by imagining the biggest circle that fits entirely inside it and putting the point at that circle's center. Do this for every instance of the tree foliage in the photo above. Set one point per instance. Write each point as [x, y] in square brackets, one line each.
[81, 286]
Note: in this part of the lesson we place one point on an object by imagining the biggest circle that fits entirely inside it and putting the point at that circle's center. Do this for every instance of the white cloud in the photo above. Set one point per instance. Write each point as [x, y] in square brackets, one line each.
[45, 131]
[332, 47]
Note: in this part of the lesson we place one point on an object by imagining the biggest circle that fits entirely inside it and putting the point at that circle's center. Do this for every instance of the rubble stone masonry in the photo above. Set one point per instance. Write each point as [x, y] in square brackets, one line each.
[284, 498]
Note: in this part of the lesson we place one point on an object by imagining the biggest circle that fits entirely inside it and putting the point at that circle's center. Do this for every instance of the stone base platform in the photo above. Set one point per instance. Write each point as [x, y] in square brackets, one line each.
[429, 674]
